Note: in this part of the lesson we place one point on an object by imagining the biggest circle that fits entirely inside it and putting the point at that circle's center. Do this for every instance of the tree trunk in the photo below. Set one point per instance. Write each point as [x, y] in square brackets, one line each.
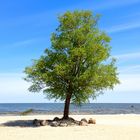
[67, 105]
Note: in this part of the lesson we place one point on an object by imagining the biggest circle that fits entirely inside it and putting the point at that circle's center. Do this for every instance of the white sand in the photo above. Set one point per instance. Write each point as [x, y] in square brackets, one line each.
[108, 127]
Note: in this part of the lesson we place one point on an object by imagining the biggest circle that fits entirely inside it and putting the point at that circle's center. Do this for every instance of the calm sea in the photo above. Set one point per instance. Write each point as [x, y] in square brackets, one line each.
[57, 108]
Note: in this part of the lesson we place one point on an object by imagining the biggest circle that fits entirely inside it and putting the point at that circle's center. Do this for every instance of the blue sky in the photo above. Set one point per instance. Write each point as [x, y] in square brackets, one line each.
[25, 29]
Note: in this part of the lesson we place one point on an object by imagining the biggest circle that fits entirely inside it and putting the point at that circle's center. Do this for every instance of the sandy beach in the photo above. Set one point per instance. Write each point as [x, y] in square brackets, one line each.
[108, 127]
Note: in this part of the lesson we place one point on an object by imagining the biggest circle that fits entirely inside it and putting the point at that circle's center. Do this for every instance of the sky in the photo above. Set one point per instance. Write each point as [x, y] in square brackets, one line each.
[25, 30]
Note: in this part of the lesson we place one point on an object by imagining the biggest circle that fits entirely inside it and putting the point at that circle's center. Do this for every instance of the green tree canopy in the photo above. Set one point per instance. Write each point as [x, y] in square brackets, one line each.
[78, 64]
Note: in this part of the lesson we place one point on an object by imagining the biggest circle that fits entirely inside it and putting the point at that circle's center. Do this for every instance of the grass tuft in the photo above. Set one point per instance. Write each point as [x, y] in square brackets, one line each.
[26, 112]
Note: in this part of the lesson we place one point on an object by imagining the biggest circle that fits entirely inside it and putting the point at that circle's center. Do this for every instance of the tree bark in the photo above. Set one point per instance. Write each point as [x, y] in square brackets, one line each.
[67, 105]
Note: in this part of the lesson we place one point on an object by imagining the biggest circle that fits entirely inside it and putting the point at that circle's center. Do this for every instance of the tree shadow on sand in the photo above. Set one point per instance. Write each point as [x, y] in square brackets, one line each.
[18, 123]
[56, 122]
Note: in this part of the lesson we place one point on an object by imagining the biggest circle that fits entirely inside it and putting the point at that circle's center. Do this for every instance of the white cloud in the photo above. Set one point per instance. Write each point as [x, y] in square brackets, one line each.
[12, 83]
[129, 83]
[14, 89]
[128, 63]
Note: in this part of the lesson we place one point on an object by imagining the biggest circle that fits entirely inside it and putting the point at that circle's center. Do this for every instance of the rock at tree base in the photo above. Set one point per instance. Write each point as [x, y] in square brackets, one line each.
[54, 123]
[56, 119]
[82, 123]
[84, 120]
[63, 122]
[92, 121]
[36, 122]
[43, 122]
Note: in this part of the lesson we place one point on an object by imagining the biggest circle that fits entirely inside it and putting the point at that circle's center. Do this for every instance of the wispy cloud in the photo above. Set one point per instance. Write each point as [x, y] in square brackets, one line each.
[13, 89]
[37, 19]
[126, 56]
[123, 27]
[24, 42]
[130, 69]
[132, 15]
[42, 18]
[112, 4]
[128, 63]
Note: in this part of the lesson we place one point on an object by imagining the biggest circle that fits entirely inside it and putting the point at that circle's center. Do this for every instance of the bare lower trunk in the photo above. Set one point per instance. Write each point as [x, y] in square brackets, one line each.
[66, 107]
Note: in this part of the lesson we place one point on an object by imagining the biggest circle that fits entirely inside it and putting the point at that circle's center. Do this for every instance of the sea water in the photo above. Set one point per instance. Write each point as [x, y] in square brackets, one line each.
[57, 108]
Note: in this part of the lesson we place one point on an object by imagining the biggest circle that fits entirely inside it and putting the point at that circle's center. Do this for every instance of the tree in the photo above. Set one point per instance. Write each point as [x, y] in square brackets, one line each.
[78, 64]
